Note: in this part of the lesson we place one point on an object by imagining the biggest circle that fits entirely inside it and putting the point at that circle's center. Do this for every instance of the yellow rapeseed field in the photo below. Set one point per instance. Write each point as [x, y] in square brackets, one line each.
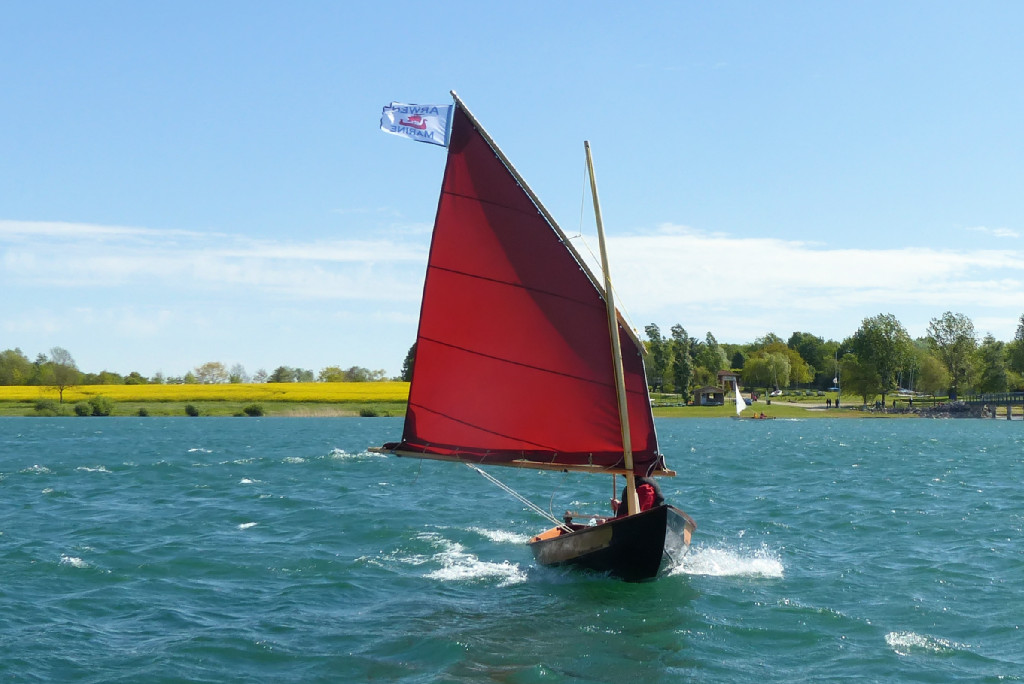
[326, 392]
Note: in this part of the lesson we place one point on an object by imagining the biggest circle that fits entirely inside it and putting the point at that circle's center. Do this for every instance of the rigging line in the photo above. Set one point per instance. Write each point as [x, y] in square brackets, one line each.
[620, 307]
[583, 202]
[551, 501]
[529, 504]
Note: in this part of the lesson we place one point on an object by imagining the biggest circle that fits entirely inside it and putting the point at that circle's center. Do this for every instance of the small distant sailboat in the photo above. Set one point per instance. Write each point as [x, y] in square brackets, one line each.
[740, 404]
[522, 360]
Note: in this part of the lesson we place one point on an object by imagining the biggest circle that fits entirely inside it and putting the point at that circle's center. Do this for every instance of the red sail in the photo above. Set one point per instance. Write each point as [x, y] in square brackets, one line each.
[513, 359]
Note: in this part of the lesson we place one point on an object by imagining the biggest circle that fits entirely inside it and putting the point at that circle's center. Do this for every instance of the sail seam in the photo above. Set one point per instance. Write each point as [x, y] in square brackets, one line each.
[511, 284]
[522, 365]
[557, 232]
[483, 429]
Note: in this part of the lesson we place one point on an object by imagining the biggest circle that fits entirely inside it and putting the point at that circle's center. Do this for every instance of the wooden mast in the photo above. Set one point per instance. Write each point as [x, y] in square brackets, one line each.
[632, 503]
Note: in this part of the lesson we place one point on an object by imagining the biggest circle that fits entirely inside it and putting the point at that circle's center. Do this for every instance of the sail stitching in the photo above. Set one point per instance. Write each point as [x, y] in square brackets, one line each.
[522, 365]
[537, 213]
[483, 429]
[510, 284]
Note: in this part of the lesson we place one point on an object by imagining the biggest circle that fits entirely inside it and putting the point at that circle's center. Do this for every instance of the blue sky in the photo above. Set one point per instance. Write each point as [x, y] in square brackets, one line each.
[190, 181]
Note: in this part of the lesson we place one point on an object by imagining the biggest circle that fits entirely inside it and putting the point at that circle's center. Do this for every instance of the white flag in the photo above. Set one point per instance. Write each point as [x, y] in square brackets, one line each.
[423, 123]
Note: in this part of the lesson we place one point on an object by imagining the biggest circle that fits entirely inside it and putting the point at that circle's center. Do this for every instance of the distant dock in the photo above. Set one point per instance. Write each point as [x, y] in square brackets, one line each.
[988, 405]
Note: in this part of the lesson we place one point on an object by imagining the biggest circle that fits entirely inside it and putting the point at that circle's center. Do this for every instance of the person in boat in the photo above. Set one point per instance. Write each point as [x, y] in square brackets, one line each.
[647, 492]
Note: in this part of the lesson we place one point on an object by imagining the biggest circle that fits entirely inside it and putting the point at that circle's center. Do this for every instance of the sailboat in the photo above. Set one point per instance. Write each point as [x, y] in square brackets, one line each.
[522, 360]
[740, 404]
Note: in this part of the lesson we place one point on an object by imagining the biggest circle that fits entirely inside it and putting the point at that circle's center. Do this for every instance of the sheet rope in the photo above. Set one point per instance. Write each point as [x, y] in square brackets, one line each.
[529, 504]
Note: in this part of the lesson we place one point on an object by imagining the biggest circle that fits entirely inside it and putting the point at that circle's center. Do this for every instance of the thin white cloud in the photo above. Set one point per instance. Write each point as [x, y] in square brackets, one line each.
[63, 255]
[739, 288]
[995, 232]
[753, 285]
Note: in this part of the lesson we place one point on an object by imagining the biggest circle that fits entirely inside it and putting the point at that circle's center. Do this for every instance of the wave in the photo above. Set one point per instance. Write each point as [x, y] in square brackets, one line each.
[73, 561]
[343, 455]
[502, 536]
[721, 562]
[97, 469]
[909, 643]
[457, 565]
[467, 567]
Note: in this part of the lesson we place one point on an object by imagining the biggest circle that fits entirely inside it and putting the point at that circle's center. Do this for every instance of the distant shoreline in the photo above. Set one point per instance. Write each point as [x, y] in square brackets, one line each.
[345, 399]
[396, 409]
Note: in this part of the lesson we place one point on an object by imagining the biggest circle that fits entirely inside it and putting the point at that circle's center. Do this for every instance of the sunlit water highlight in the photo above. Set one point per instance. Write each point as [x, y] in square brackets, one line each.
[280, 550]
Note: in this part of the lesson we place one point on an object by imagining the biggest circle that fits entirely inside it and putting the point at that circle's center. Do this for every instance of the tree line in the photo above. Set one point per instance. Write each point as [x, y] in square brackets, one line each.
[878, 359]
[58, 369]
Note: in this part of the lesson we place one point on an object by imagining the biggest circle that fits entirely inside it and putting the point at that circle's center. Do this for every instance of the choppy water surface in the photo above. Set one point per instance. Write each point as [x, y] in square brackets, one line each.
[280, 550]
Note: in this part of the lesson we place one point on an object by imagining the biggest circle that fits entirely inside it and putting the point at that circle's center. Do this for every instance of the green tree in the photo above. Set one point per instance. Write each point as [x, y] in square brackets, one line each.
[767, 369]
[657, 357]
[283, 374]
[212, 373]
[816, 354]
[237, 374]
[932, 376]
[63, 371]
[409, 364]
[860, 378]
[360, 374]
[101, 405]
[768, 340]
[331, 374]
[780, 367]
[952, 336]
[102, 378]
[682, 362]
[756, 372]
[711, 356]
[883, 344]
[135, 378]
[992, 359]
[795, 370]
[1015, 352]
[15, 368]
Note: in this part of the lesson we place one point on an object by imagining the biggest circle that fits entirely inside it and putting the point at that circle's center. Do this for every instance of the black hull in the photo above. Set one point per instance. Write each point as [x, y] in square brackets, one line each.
[630, 548]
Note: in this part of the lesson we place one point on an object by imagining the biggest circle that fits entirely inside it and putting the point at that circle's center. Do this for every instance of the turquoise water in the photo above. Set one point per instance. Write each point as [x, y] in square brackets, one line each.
[149, 549]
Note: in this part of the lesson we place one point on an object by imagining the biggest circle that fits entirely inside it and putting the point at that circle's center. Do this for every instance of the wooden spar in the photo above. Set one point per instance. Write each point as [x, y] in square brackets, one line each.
[532, 465]
[632, 503]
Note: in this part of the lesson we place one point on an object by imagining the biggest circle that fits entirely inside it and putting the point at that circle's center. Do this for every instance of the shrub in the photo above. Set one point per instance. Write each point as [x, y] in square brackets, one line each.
[253, 410]
[82, 408]
[368, 413]
[101, 406]
[191, 410]
[47, 407]
[143, 412]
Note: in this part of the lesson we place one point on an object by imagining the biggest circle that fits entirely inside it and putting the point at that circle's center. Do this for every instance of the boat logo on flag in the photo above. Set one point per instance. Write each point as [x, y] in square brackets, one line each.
[415, 121]
[422, 123]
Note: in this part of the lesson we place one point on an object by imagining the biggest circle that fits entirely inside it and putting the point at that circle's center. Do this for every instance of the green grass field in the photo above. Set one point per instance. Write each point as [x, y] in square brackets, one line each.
[343, 399]
[276, 399]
